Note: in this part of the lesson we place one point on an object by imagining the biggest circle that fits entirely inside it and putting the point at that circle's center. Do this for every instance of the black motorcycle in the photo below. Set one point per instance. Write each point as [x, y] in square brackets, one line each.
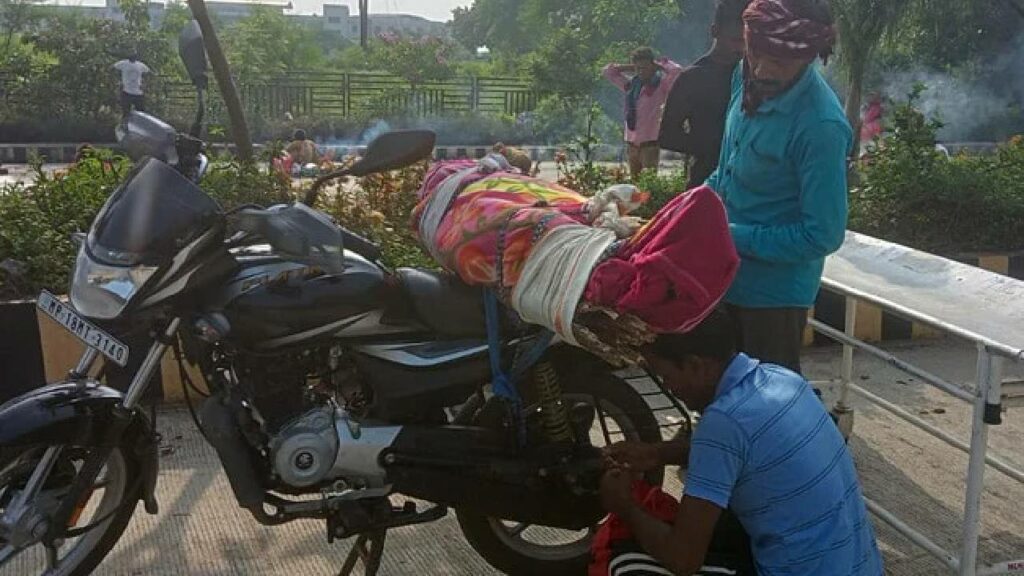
[331, 382]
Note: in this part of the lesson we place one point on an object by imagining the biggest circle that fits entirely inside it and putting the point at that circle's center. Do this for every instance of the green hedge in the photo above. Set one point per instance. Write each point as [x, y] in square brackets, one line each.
[912, 194]
[37, 221]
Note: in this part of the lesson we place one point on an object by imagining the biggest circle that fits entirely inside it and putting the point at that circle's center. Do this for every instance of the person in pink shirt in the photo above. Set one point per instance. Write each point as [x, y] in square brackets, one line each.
[646, 83]
[871, 122]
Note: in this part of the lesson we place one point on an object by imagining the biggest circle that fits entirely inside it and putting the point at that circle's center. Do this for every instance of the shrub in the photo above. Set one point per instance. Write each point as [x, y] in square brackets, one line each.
[661, 187]
[234, 184]
[380, 208]
[912, 194]
[588, 178]
[36, 221]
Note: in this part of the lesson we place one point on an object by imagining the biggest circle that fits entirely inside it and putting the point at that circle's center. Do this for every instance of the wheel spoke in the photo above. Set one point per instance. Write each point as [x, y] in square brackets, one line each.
[35, 481]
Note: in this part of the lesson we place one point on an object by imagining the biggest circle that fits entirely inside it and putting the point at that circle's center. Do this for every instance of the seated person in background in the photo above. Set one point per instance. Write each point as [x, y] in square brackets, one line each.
[302, 150]
[765, 453]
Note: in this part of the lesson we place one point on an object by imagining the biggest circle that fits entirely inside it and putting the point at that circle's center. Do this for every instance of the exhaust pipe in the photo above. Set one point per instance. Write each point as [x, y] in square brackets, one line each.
[221, 430]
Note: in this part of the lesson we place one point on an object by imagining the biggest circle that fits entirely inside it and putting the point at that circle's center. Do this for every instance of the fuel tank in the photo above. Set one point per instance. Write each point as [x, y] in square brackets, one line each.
[272, 302]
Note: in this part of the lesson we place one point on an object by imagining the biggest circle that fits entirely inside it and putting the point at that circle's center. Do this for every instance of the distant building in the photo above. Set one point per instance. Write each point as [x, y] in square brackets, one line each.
[228, 12]
[336, 18]
[224, 12]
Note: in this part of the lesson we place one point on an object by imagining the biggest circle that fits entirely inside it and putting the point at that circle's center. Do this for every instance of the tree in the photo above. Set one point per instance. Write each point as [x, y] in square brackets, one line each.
[176, 17]
[417, 61]
[861, 26]
[267, 43]
[589, 34]
[15, 18]
[222, 72]
[78, 79]
[505, 26]
[944, 34]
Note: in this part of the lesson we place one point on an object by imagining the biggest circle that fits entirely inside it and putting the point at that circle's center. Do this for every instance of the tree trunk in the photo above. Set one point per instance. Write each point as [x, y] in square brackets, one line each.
[853, 99]
[222, 72]
[364, 23]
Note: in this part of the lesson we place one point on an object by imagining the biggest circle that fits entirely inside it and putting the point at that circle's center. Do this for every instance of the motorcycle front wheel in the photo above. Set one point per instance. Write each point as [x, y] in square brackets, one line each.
[521, 549]
[105, 513]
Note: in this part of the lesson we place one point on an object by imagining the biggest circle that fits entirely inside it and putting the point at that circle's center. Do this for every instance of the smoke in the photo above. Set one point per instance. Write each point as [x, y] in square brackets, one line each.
[376, 128]
[981, 104]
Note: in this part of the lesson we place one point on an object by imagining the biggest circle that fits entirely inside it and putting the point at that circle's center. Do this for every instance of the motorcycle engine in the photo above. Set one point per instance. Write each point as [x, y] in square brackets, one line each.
[284, 388]
[304, 451]
[309, 404]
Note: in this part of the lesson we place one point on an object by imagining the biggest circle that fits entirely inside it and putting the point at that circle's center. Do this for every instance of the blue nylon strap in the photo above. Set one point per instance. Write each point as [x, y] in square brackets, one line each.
[533, 355]
[500, 381]
[504, 385]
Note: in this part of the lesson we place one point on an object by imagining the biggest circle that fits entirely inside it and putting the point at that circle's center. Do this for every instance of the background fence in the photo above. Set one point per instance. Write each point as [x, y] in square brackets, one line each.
[347, 94]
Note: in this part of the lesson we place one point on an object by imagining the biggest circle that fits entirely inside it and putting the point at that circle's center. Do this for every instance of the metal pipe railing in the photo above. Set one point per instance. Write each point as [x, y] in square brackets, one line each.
[928, 377]
[895, 410]
[913, 535]
[986, 395]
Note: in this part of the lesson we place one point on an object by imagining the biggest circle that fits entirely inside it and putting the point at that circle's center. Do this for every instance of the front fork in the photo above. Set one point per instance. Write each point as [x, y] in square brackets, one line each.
[121, 419]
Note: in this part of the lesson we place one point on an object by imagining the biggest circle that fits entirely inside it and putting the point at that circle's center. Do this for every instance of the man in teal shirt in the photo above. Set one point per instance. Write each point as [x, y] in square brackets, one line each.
[782, 174]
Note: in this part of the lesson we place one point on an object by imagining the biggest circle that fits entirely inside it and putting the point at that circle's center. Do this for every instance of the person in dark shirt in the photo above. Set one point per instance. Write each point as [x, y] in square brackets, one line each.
[694, 116]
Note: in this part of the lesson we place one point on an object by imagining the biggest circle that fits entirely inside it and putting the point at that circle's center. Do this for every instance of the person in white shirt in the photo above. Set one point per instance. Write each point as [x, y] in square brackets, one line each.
[131, 71]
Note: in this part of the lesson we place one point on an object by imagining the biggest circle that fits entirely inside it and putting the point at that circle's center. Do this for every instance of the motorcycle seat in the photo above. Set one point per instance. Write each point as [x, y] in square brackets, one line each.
[444, 303]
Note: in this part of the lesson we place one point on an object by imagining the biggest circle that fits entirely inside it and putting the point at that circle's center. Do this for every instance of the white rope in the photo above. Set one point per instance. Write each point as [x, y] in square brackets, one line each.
[555, 276]
[609, 209]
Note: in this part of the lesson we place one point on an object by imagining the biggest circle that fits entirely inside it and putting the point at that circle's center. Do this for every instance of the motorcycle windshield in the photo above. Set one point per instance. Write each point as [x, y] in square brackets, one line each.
[154, 214]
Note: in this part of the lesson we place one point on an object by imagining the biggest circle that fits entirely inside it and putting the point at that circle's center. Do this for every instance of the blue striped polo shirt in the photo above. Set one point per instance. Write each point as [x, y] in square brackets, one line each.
[767, 449]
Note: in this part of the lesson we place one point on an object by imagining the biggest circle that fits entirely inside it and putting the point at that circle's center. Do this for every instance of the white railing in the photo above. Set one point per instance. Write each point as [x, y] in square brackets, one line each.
[982, 307]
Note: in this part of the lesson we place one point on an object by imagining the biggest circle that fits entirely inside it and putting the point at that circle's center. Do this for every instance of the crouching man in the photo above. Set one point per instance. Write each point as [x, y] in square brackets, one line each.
[765, 453]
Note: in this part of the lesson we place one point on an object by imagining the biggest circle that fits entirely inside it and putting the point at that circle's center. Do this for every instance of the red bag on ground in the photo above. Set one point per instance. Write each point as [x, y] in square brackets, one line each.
[651, 498]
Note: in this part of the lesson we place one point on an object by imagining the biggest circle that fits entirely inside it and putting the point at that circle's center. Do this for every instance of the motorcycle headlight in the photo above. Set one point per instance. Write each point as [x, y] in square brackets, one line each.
[103, 292]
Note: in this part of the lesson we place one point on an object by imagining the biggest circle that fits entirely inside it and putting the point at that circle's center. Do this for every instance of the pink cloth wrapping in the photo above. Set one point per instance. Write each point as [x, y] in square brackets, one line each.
[670, 274]
[676, 269]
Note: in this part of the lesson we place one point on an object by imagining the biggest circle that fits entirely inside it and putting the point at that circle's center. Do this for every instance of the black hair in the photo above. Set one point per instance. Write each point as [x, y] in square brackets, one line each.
[714, 338]
[815, 10]
[642, 54]
[729, 13]
[299, 134]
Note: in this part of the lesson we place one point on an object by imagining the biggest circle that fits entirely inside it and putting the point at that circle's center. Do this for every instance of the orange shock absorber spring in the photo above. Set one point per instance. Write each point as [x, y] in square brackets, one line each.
[554, 415]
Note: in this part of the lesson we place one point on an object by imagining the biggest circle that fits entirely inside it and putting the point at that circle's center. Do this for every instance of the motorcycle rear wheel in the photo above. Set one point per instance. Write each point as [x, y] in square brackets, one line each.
[519, 549]
[110, 507]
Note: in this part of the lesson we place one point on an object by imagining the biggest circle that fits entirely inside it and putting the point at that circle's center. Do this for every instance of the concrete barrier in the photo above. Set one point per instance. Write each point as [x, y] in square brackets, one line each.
[874, 325]
[64, 152]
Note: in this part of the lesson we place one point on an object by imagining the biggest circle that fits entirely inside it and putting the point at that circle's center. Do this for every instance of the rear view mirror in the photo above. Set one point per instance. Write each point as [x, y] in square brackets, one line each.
[193, 53]
[394, 150]
[141, 135]
[389, 151]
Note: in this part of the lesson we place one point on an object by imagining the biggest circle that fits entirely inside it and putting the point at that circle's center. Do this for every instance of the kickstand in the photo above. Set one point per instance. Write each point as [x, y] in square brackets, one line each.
[369, 548]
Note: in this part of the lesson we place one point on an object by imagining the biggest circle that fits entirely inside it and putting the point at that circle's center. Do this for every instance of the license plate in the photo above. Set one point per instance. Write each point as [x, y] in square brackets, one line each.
[85, 331]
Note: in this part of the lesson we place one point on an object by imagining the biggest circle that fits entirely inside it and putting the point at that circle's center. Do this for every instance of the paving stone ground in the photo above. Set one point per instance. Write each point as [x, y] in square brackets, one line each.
[201, 531]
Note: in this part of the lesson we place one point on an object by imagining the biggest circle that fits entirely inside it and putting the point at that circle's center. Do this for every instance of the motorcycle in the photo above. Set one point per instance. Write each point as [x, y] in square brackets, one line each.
[331, 382]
